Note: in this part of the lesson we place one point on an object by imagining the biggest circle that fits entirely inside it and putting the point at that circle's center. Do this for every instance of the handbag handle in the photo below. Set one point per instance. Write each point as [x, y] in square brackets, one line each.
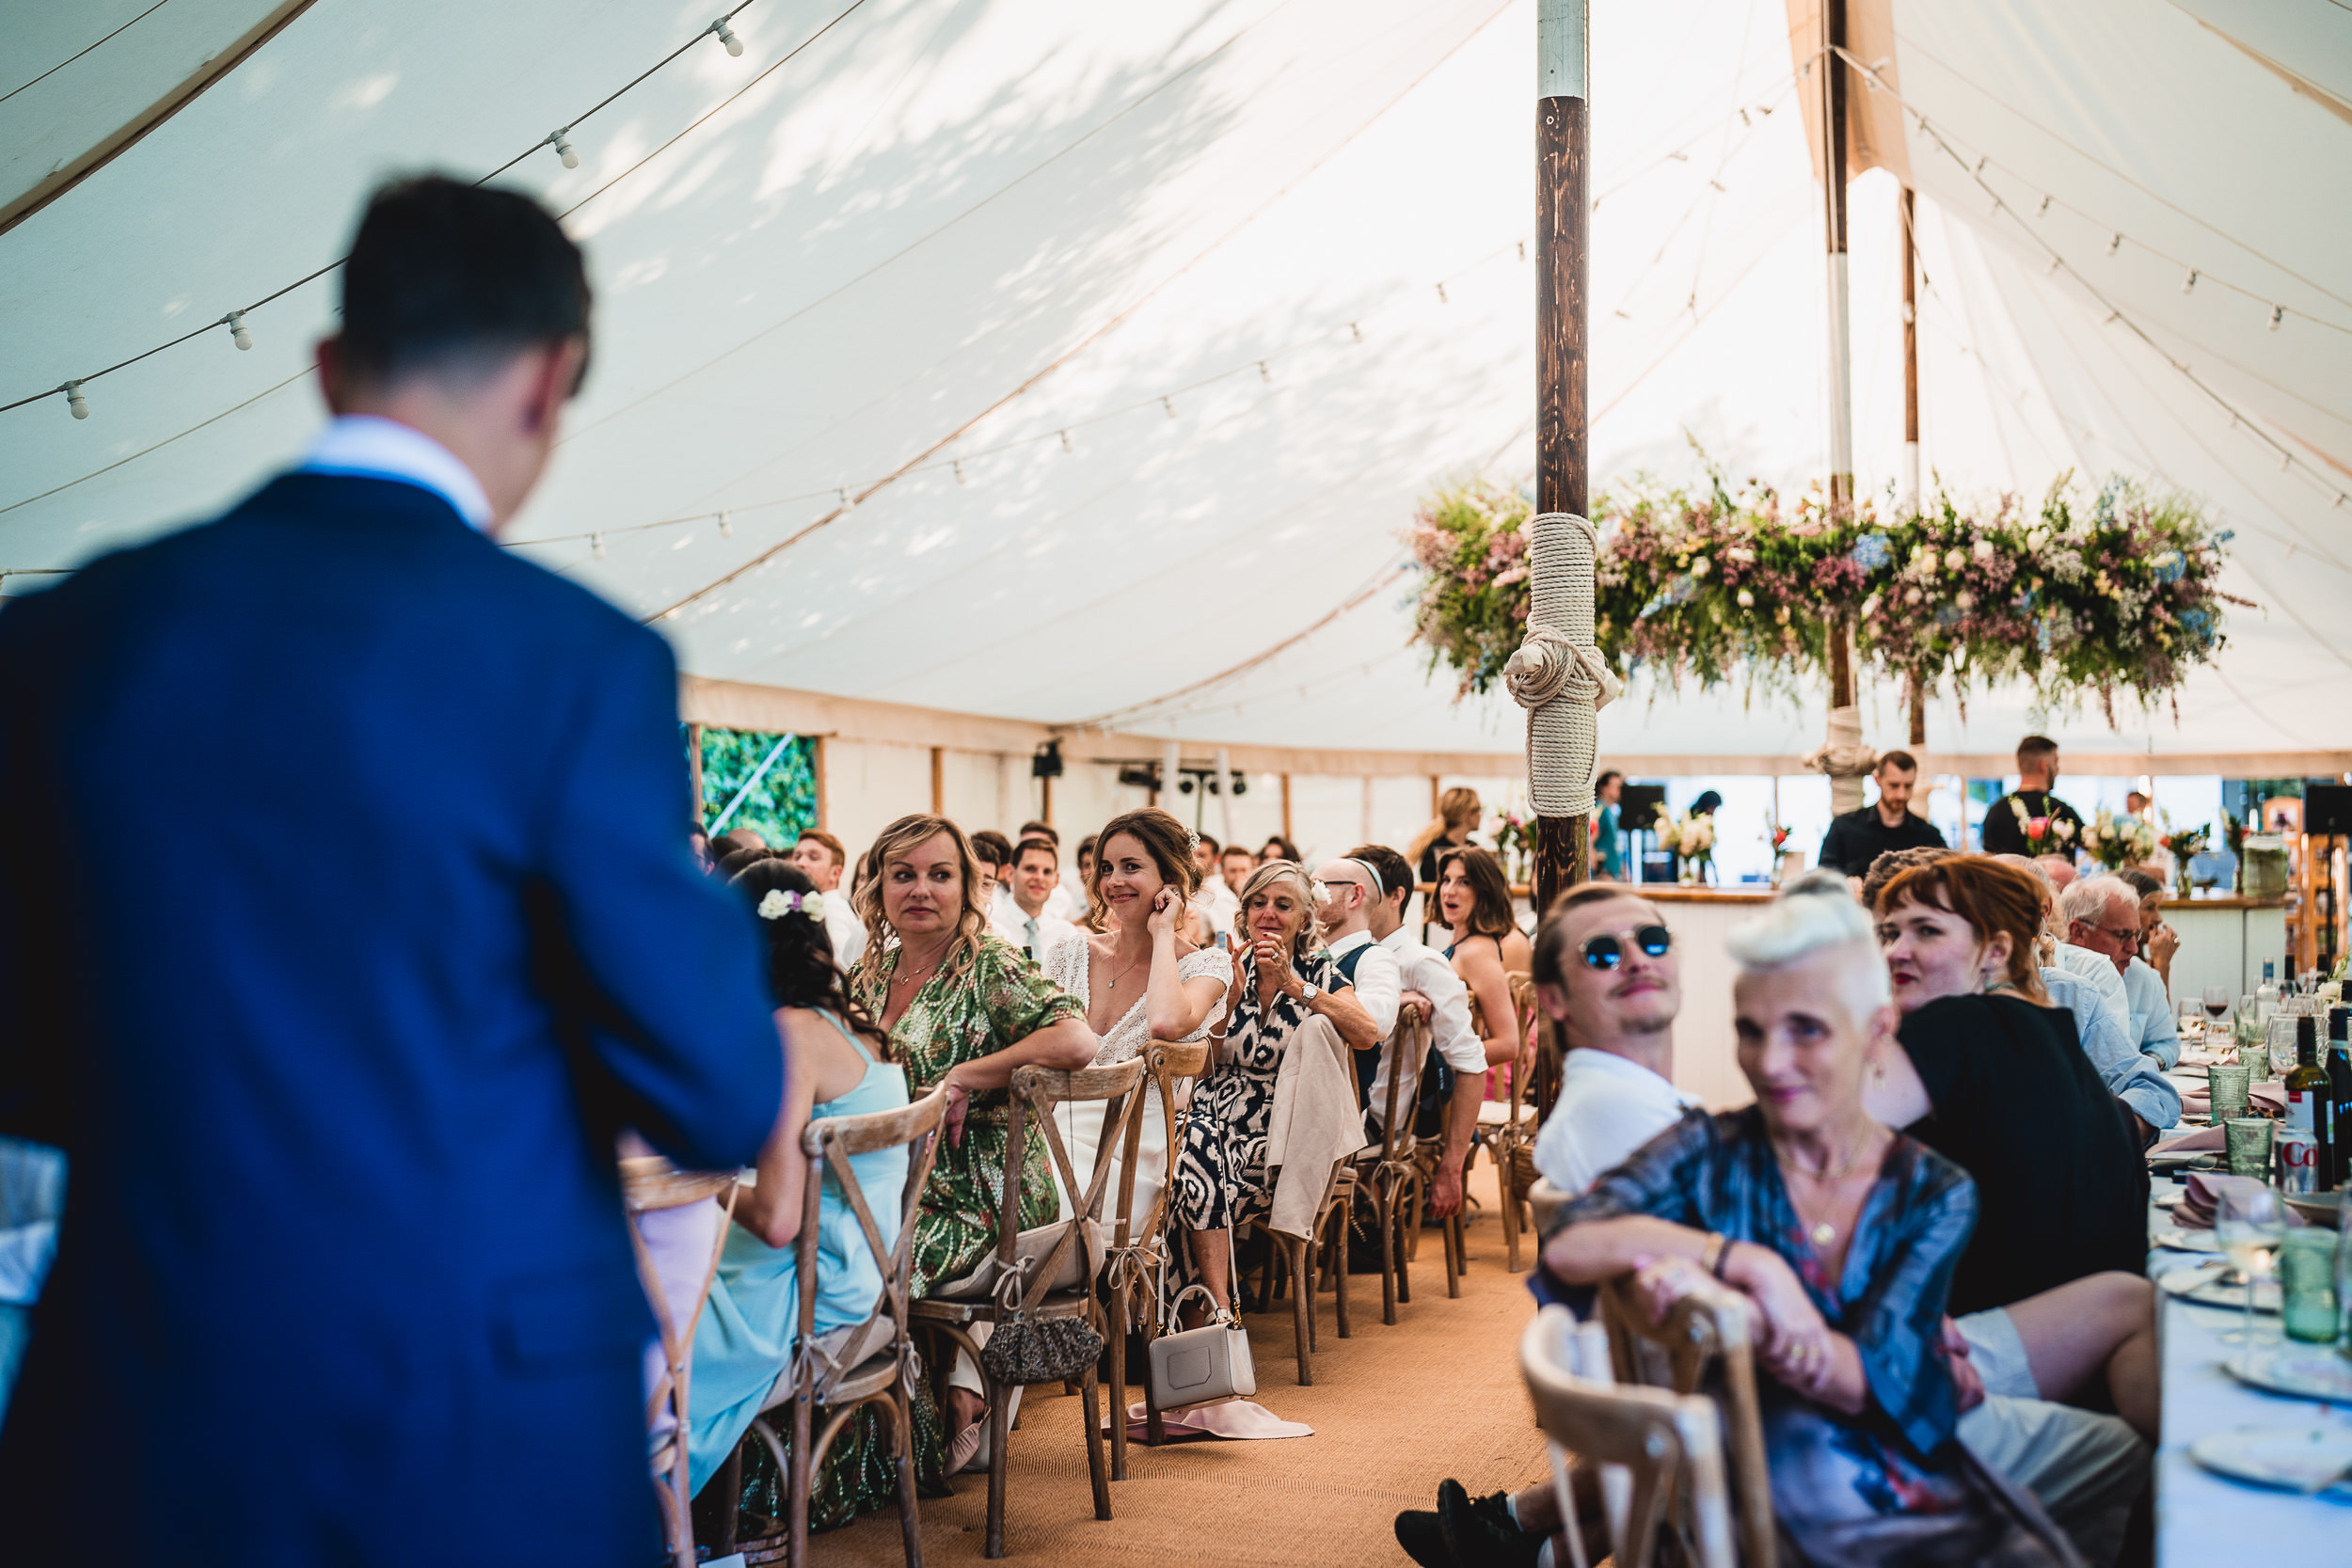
[1178, 1301]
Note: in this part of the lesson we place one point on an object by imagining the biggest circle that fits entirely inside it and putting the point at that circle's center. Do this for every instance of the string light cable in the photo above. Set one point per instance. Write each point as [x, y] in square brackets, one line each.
[720, 29]
[2239, 419]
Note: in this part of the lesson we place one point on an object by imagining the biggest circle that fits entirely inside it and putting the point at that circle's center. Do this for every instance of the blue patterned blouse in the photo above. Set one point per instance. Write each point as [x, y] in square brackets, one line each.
[1897, 1457]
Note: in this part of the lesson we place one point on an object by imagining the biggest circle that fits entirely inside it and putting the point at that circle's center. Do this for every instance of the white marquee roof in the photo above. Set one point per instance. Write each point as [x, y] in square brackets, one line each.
[1012, 220]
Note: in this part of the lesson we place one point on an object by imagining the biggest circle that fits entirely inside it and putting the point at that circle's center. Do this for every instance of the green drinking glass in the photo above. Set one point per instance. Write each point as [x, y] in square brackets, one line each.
[2231, 1086]
[2250, 1146]
[2307, 1284]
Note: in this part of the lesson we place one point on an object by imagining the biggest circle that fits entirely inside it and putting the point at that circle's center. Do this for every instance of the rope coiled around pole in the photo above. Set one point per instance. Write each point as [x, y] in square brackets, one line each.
[1557, 674]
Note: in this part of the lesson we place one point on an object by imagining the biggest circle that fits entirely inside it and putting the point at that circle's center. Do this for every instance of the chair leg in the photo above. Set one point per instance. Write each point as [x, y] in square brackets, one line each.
[910, 1518]
[1338, 1251]
[1452, 1235]
[1381, 1214]
[798, 1477]
[1119, 1384]
[729, 1480]
[1510, 1211]
[999, 1439]
[1412, 1222]
[1097, 1473]
[1302, 1316]
[1406, 1202]
[1303, 1275]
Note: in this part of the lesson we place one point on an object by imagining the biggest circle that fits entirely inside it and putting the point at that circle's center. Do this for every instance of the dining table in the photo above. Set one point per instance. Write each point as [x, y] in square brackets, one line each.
[2203, 1518]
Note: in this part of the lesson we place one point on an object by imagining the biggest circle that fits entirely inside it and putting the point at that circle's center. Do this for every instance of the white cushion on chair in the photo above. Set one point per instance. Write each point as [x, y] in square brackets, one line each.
[1031, 1247]
[1497, 1113]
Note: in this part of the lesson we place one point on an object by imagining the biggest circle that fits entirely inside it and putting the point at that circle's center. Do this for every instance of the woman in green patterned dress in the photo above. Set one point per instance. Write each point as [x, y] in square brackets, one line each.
[964, 1008]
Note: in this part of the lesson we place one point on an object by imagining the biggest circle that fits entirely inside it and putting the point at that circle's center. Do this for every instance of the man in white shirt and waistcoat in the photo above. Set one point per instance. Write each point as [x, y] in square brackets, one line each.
[1435, 993]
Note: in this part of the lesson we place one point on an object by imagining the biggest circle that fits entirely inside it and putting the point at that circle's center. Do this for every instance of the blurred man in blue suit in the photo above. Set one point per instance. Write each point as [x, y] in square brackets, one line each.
[345, 922]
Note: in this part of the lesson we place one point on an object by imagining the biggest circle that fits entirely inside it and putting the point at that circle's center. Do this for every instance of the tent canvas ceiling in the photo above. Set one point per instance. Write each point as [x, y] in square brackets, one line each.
[1260, 260]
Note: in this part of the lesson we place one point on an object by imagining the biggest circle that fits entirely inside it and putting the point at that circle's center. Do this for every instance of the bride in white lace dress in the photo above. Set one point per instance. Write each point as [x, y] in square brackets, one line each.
[1139, 980]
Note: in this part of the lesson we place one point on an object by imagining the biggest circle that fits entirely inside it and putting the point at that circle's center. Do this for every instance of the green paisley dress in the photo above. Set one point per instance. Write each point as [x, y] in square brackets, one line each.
[962, 1013]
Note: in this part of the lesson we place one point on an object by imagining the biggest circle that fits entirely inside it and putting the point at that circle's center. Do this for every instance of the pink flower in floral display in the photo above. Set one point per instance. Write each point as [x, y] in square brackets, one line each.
[2035, 827]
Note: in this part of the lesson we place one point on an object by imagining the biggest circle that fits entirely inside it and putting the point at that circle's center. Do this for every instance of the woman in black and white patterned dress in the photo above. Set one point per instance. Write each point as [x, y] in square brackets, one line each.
[1282, 978]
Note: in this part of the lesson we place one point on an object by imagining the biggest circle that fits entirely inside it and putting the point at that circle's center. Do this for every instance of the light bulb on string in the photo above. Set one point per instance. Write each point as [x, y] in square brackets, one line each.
[237, 334]
[1523, 244]
[1169, 403]
[2278, 314]
[1066, 445]
[75, 403]
[726, 36]
[2042, 211]
[2188, 284]
[727, 525]
[847, 504]
[958, 467]
[1441, 299]
[595, 545]
[564, 150]
[1265, 371]
[2115, 243]
[1358, 328]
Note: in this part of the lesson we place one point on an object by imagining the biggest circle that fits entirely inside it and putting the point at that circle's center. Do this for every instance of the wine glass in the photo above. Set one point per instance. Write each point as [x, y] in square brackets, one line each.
[2281, 1044]
[2249, 1224]
[2216, 1003]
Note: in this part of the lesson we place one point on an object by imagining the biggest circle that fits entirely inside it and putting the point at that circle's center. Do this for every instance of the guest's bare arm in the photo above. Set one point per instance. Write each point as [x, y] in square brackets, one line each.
[1891, 1090]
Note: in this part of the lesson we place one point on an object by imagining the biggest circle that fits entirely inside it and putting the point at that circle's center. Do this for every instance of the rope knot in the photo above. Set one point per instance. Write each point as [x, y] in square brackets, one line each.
[1550, 664]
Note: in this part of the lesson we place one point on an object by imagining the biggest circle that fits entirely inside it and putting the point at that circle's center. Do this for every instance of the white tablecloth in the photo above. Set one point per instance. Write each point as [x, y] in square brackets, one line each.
[2204, 1521]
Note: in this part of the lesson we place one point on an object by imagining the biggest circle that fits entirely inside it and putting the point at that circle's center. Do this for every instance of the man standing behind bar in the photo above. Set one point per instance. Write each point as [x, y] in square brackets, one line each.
[1857, 839]
[337, 1040]
[2005, 819]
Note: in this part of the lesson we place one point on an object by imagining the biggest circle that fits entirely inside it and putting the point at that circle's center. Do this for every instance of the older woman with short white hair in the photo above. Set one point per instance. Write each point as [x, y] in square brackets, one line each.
[1842, 1233]
[1283, 978]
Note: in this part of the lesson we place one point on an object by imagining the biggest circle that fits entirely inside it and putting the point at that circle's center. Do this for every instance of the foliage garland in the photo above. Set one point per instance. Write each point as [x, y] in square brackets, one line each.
[2089, 593]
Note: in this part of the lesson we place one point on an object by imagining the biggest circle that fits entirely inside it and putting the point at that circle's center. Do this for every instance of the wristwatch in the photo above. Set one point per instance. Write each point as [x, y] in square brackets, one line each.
[1308, 993]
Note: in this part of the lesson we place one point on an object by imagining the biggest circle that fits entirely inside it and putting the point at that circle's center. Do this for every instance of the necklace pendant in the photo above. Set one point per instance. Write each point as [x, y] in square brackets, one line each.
[1825, 1233]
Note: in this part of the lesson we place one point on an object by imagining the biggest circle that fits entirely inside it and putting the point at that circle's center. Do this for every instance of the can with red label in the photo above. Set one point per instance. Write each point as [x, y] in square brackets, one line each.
[2297, 1151]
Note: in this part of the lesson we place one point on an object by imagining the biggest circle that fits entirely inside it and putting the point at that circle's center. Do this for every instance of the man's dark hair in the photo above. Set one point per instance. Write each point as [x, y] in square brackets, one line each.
[1902, 761]
[1396, 872]
[992, 846]
[1041, 830]
[1602, 782]
[2139, 881]
[2035, 751]
[1892, 864]
[443, 272]
[1038, 841]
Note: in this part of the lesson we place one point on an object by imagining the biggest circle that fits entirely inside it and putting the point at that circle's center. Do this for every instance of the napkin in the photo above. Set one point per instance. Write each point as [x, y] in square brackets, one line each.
[1240, 1420]
[2203, 1195]
[2205, 1140]
[2273, 1094]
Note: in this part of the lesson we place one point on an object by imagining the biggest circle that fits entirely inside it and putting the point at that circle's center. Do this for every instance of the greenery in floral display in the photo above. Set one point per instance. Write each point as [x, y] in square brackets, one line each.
[2089, 595]
[2115, 841]
[781, 803]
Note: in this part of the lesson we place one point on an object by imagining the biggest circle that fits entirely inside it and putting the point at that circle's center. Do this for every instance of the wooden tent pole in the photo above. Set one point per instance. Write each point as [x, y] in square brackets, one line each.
[1563, 455]
[1910, 351]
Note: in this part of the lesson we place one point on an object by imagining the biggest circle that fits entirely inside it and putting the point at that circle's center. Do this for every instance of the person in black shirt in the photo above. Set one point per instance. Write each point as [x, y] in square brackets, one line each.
[2037, 775]
[1858, 838]
[2050, 1293]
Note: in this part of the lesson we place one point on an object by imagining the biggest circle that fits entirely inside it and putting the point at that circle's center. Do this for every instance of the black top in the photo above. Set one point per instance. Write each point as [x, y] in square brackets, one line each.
[2061, 1189]
[1438, 850]
[2005, 835]
[1859, 837]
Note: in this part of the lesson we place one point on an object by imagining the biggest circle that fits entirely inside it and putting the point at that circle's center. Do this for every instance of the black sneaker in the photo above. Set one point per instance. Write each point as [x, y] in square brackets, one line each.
[1424, 1539]
[1481, 1532]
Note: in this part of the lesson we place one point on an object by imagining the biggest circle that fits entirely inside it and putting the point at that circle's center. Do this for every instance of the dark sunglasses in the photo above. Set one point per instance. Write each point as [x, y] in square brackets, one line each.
[1607, 950]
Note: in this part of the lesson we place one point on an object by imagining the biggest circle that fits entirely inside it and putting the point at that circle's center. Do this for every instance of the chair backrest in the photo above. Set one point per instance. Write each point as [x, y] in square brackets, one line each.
[1407, 1048]
[1670, 1445]
[830, 1144]
[1524, 1072]
[1036, 1090]
[1168, 1063]
[1708, 1327]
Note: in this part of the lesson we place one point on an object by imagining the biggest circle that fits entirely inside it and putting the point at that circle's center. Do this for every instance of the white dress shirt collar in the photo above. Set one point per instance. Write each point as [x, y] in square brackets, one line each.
[369, 445]
[1349, 943]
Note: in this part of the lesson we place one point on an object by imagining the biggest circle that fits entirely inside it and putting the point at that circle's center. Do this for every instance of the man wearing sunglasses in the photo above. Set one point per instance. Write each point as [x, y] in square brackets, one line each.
[1607, 973]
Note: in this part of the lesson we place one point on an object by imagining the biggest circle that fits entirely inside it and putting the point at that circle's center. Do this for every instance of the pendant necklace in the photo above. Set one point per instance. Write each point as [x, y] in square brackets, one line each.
[1823, 1233]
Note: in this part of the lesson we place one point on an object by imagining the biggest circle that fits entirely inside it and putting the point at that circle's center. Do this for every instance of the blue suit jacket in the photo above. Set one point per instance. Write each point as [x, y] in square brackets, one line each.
[347, 915]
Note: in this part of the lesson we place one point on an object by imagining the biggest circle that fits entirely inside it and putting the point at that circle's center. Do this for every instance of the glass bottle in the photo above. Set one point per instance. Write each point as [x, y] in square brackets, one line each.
[2266, 995]
[2340, 1092]
[2311, 1099]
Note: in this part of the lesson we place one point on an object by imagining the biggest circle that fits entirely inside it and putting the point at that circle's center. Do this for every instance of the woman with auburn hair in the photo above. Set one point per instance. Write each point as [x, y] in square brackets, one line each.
[1282, 980]
[1487, 946]
[962, 1009]
[2049, 1293]
[1140, 979]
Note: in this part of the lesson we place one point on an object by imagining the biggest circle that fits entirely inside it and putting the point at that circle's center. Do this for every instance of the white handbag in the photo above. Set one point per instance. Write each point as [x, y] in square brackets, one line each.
[1202, 1366]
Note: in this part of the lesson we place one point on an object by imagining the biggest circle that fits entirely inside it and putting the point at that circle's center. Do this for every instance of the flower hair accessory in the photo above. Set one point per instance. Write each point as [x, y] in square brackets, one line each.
[778, 903]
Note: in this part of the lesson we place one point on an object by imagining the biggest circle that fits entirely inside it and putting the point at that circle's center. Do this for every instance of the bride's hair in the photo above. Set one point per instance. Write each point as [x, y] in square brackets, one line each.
[1169, 843]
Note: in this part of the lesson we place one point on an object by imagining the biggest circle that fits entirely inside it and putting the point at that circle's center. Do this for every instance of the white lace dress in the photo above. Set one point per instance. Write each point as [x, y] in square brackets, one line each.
[1082, 1125]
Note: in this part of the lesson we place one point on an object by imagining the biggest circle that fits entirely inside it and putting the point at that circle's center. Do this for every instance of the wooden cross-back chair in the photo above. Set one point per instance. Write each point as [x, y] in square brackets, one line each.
[1388, 1171]
[1669, 1445]
[1138, 1254]
[1708, 1329]
[651, 1183]
[1056, 1280]
[1507, 1128]
[869, 1363]
[1302, 1265]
